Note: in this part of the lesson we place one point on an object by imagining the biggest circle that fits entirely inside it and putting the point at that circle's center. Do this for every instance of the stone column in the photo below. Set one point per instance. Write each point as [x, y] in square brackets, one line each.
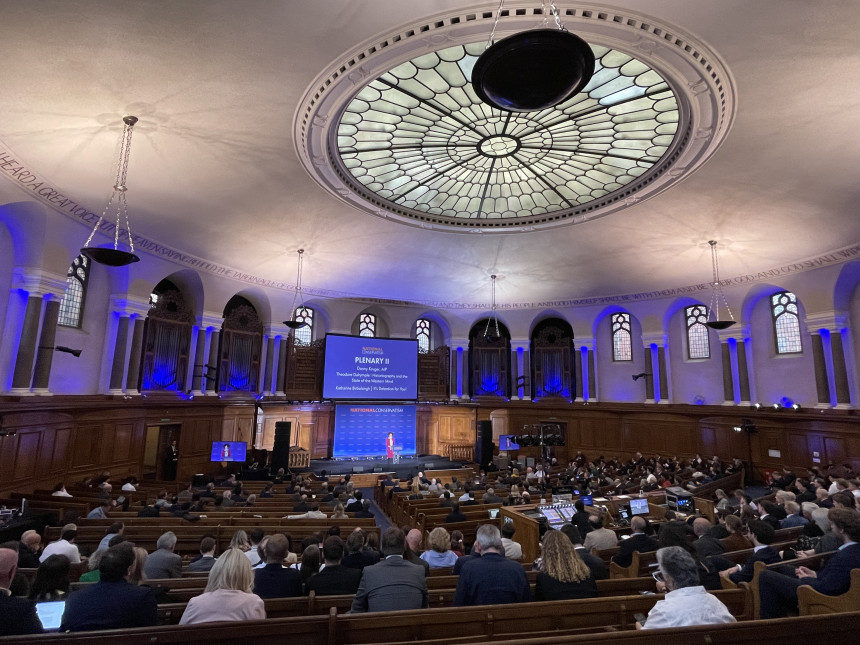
[266, 385]
[459, 367]
[649, 374]
[743, 373]
[197, 362]
[117, 371]
[47, 341]
[213, 362]
[592, 376]
[132, 382]
[840, 371]
[521, 370]
[23, 373]
[283, 344]
[728, 376]
[664, 376]
[829, 360]
[577, 371]
[822, 387]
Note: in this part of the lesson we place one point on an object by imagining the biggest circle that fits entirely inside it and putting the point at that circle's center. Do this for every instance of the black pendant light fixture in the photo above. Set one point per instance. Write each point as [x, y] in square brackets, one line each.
[493, 334]
[714, 321]
[532, 70]
[116, 257]
[292, 323]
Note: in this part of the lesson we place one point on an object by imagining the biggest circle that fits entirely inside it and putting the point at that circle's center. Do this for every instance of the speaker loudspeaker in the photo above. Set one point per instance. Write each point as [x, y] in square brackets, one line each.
[484, 444]
[281, 447]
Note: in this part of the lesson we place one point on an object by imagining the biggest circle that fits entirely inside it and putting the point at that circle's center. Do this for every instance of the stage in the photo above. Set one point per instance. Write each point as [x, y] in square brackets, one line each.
[403, 469]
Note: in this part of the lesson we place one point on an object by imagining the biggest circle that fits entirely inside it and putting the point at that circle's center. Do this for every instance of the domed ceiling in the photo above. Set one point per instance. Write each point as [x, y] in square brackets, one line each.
[350, 129]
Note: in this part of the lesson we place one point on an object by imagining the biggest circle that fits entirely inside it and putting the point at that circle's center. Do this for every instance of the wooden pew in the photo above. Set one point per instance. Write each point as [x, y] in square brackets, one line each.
[813, 562]
[810, 602]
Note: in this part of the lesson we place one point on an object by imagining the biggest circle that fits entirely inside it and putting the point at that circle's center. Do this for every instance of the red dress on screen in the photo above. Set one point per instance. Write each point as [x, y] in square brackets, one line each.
[389, 447]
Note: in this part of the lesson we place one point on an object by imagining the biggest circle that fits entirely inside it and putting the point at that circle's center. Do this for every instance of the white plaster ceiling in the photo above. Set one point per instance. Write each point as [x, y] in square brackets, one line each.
[214, 170]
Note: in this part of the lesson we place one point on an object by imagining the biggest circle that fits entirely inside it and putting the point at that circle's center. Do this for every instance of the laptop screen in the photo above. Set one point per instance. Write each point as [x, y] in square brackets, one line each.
[51, 614]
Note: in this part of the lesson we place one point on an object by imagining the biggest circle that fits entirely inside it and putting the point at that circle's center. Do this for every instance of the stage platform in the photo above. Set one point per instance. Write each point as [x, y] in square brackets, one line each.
[404, 469]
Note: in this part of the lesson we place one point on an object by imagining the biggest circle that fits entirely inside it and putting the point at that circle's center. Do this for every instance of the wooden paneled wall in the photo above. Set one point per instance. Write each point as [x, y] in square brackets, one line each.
[51, 439]
[76, 437]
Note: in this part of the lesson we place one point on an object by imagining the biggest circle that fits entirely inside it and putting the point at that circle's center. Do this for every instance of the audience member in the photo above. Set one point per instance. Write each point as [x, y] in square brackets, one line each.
[513, 550]
[705, 545]
[392, 583]
[455, 515]
[112, 602]
[761, 534]
[439, 555]
[595, 565]
[17, 615]
[275, 580]
[207, 556]
[737, 539]
[28, 550]
[228, 594]
[357, 557]
[163, 562]
[52, 579]
[563, 574]
[334, 579]
[117, 528]
[778, 592]
[637, 541]
[686, 601]
[64, 546]
[491, 579]
[310, 564]
[599, 537]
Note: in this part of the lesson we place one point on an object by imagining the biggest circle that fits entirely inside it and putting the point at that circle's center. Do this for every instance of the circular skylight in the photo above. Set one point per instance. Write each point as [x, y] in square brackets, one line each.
[420, 139]
[397, 130]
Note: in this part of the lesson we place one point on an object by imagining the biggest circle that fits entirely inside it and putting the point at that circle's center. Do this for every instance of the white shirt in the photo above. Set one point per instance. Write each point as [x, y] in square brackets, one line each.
[61, 493]
[513, 550]
[61, 547]
[464, 497]
[253, 556]
[688, 606]
[129, 488]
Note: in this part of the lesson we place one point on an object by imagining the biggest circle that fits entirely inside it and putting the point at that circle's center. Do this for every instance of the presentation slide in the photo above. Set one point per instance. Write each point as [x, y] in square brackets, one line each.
[361, 430]
[377, 369]
[228, 451]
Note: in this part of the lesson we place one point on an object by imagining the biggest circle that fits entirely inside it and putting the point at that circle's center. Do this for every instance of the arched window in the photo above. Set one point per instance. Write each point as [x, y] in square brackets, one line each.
[240, 347]
[786, 324]
[304, 335]
[367, 325]
[72, 305]
[423, 333]
[698, 341]
[622, 340]
[167, 337]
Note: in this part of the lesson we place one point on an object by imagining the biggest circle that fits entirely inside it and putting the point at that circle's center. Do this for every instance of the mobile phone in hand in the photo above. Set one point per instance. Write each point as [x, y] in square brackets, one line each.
[640, 618]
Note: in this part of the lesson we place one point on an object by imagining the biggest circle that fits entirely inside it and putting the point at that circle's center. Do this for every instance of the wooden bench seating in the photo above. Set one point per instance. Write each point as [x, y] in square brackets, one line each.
[812, 562]
[810, 602]
[442, 624]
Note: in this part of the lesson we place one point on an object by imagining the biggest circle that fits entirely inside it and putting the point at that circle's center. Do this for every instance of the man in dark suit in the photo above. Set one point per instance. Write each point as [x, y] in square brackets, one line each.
[17, 615]
[761, 534]
[638, 541]
[580, 518]
[455, 515]
[28, 550]
[705, 544]
[393, 583]
[490, 497]
[365, 510]
[112, 602]
[163, 562]
[334, 579]
[357, 556]
[355, 505]
[302, 505]
[274, 580]
[492, 578]
[778, 592]
[595, 564]
[768, 514]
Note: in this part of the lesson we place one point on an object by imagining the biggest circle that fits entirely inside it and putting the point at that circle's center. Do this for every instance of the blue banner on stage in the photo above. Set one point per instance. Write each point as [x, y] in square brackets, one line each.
[362, 430]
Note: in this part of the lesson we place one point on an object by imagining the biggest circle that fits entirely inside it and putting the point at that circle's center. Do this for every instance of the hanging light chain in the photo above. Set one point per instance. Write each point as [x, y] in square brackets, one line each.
[495, 22]
[495, 318]
[717, 288]
[121, 177]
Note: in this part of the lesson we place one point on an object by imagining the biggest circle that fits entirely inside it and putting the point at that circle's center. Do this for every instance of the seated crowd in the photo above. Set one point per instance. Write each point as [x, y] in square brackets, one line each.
[392, 574]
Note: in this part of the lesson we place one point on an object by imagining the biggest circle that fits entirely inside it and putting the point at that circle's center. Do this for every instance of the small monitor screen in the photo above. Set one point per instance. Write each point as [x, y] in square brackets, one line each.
[552, 515]
[588, 500]
[685, 504]
[567, 512]
[624, 511]
[494, 513]
[639, 506]
[50, 614]
[505, 443]
[228, 451]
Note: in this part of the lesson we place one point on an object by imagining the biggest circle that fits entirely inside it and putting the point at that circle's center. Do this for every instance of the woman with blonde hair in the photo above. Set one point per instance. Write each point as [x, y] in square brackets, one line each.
[439, 555]
[339, 513]
[228, 594]
[240, 541]
[136, 575]
[563, 574]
